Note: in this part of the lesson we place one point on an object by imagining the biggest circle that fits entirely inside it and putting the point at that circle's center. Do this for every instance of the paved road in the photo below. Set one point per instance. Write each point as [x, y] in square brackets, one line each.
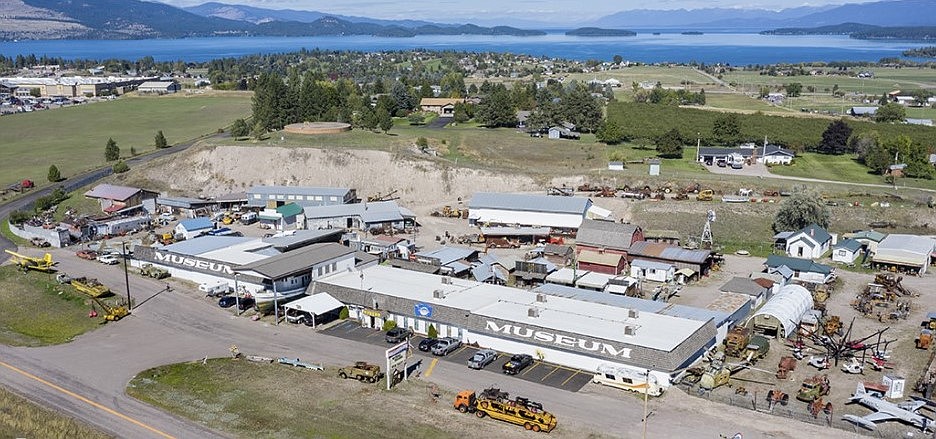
[181, 325]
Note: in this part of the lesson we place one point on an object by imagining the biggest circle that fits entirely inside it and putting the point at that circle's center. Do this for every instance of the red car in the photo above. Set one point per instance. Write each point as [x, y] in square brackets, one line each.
[87, 254]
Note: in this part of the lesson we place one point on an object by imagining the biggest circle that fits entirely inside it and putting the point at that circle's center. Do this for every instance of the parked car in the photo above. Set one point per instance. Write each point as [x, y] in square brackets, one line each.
[517, 363]
[446, 345]
[721, 163]
[427, 344]
[397, 335]
[108, 259]
[736, 165]
[482, 358]
[87, 254]
[229, 301]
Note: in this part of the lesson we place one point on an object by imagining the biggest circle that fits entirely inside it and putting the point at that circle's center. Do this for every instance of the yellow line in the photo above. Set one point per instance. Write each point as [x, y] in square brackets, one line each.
[431, 366]
[550, 373]
[86, 400]
[530, 368]
[569, 378]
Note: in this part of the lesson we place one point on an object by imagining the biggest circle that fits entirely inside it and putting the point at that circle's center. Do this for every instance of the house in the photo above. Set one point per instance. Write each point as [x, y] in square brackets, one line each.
[846, 251]
[159, 87]
[558, 254]
[274, 196]
[115, 199]
[868, 238]
[559, 132]
[533, 271]
[601, 262]
[728, 155]
[522, 117]
[863, 111]
[653, 271]
[905, 253]
[444, 107]
[514, 210]
[775, 155]
[699, 261]
[607, 236]
[190, 228]
[811, 242]
[803, 270]
[756, 291]
[286, 217]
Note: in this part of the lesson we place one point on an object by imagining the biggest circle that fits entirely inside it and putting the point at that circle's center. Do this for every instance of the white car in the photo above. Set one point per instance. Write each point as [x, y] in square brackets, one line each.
[108, 259]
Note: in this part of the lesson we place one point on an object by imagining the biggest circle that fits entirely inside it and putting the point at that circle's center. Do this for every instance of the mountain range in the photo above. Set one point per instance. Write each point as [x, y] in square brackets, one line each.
[125, 19]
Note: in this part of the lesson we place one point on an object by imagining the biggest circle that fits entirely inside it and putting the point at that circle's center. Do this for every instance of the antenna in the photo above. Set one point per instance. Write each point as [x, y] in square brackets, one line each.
[707, 230]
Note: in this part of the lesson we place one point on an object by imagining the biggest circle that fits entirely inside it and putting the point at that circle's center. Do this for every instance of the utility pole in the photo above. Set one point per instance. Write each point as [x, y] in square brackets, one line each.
[698, 146]
[126, 261]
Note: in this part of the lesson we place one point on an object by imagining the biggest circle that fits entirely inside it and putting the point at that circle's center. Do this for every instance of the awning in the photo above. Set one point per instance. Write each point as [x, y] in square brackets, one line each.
[688, 272]
[264, 217]
[317, 304]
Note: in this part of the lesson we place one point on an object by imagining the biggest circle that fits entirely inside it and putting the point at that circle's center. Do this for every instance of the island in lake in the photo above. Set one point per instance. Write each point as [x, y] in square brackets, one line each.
[600, 32]
[692, 32]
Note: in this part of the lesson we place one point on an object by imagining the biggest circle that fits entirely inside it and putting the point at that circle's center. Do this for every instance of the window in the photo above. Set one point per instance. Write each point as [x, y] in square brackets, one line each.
[799, 251]
[333, 198]
[318, 198]
[256, 196]
[609, 376]
[842, 253]
[320, 271]
[290, 197]
[334, 266]
[309, 197]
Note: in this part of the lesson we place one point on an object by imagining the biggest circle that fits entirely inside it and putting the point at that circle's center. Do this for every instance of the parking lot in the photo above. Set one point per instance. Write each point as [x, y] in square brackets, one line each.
[553, 375]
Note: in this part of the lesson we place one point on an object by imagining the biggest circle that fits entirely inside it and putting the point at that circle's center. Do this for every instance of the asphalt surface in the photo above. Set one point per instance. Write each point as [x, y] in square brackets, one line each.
[90, 373]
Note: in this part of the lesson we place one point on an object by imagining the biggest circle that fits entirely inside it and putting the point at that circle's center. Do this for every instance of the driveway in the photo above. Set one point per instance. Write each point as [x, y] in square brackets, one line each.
[439, 123]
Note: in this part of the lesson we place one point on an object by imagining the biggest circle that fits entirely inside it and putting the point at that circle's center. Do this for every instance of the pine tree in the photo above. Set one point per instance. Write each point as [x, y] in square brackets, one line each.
[161, 140]
[54, 174]
[835, 138]
[111, 151]
[240, 129]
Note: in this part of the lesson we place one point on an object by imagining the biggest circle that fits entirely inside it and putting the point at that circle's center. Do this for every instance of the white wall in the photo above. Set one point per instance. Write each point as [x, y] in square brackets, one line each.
[495, 216]
[200, 278]
[844, 255]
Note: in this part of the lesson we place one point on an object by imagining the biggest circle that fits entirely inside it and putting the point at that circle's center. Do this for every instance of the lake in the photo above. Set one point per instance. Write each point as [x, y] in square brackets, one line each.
[731, 48]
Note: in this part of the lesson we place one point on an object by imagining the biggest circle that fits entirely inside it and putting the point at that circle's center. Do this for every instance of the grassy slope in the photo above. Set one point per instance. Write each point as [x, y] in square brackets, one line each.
[21, 418]
[73, 138]
[38, 311]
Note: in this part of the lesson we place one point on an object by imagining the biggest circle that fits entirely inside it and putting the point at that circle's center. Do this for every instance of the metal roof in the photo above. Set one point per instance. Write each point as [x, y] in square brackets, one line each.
[870, 235]
[797, 264]
[693, 313]
[594, 279]
[669, 252]
[849, 244]
[373, 212]
[529, 203]
[643, 263]
[182, 202]
[289, 209]
[911, 250]
[446, 255]
[606, 234]
[746, 152]
[816, 232]
[320, 303]
[593, 296]
[788, 306]
[594, 257]
[298, 260]
[205, 244]
[111, 192]
[743, 285]
[298, 238]
[515, 231]
[299, 190]
[193, 224]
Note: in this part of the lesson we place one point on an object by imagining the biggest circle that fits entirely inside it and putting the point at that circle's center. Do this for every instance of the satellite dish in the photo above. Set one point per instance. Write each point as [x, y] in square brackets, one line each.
[711, 216]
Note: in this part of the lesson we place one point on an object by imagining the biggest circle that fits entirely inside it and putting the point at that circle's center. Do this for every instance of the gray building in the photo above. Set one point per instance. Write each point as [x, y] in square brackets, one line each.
[275, 196]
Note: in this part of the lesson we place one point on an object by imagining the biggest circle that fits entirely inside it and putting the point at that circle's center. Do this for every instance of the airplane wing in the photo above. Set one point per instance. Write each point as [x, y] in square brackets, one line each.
[878, 417]
[912, 405]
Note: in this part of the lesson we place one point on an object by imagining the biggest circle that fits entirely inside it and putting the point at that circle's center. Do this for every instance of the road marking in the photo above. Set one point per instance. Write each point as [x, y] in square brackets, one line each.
[569, 378]
[550, 373]
[530, 368]
[85, 400]
[459, 350]
[431, 366]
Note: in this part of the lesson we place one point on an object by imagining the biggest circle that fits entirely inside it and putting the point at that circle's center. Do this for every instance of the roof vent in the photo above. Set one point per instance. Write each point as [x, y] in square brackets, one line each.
[438, 294]
[633, 314]
[446, 280]
[533, 312]
[540, 297]
[630, 330]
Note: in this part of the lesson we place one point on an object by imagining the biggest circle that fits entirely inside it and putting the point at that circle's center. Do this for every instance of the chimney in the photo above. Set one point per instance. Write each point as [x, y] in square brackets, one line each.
[812, 232]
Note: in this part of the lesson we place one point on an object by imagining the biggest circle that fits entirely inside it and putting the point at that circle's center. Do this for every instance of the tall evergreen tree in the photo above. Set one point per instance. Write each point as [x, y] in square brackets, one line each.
[54, 174]
[111, 151]
[160, 140]
[835, 138]
[495, 110]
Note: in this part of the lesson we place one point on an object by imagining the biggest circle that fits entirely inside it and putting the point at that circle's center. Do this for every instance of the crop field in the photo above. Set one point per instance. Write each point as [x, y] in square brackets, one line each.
[885, 80]
[73, 138]
[20, 418]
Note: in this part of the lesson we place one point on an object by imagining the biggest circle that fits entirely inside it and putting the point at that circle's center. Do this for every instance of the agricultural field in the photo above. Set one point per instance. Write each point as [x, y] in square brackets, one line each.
[73, 138]
[20, 418]
[885, 80]
[298, 403]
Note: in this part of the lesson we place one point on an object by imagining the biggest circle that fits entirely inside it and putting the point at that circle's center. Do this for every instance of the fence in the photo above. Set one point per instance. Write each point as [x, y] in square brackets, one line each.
[795, 410]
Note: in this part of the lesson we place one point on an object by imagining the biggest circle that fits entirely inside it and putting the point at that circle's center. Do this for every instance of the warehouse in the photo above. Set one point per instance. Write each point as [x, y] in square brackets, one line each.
[559, 213]
[699, 261]
[361, 216]
[905, 253]
[569, 332]
[272, 197]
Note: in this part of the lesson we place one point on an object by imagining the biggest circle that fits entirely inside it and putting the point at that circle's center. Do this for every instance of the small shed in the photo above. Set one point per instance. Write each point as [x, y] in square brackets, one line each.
[782, 313]
[654, 166]
[652, 270]
[191, 228]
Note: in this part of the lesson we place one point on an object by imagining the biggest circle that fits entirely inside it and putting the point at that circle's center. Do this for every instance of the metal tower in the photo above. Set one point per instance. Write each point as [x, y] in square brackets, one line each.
[706, 241]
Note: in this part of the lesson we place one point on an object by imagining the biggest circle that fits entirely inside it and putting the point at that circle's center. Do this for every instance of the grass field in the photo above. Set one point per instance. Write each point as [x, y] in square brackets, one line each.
[73, 138]
[38, 311]
[20, 418]
[885, 80]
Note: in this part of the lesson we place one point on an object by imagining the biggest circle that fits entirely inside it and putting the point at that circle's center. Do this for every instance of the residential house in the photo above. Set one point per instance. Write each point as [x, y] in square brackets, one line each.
[728, 155]
[846, 251]
[868, 238]
[811, 242]
[775, 155]
[116, 199]
[558, 254]
[652, 271]
[803, 270]
[190, 228]
[905, 253]
[444, 107]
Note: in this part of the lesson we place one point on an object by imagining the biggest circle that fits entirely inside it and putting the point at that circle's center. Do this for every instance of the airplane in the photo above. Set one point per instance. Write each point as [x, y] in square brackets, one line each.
[886, 410]
[25, 263]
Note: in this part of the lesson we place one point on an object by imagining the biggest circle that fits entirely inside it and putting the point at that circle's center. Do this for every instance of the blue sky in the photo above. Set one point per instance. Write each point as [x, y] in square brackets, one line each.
[539, 10]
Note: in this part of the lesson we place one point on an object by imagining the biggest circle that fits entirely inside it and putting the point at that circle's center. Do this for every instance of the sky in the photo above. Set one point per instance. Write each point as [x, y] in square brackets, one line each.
[537, 10]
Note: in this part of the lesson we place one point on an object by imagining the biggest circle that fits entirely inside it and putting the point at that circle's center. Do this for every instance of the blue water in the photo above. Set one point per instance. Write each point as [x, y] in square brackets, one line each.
[732, 48]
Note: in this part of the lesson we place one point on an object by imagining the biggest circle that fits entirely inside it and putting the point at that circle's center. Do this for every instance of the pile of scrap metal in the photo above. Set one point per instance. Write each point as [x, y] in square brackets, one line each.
[880, 299]
[562, 191]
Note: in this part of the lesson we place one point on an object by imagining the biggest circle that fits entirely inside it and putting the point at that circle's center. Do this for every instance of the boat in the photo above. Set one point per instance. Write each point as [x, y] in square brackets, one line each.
[264, 299]
[734, 199]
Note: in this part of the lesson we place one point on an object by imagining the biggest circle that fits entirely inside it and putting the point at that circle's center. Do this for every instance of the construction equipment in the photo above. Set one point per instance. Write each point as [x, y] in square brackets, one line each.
[891, 282]
[705, 195]
[448, 212]
[925, 339]
[813, 388]
[560, 191]
[498, 405]
[361, 371]
[154, 272]
[112, 313]
[90, 287]
[26, 263]
[166, 238]
[736, 341]
[389, 196]
[227, 220]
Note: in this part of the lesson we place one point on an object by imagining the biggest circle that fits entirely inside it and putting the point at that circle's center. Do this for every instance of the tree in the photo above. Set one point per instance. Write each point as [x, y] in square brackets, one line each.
[54, 174]
[793, 89]
[432, 332]
[111, 151]
[610, 133]
[617, 59]
[495, 110]
[890, 112]
[463, 112]
[258, 132]
[861, 143]
[120, 167]
[921, 97]
[835, 138]
[727, 129]
[161, 140]
[416, 118]
[384, 121]
[670, 144]
[240, 129]
[801, 210]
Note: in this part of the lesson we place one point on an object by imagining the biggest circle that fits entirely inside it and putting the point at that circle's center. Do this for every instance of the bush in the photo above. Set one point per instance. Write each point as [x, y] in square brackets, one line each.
[432, 332]
[388, 325]
[54, 174]
[20, 217]
[343, 314]
[120, 167]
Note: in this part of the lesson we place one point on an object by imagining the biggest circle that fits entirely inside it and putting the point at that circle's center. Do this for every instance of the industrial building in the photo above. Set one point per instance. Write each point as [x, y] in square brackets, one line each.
[905, 253]
[571, 332]
[272, 197]
[122, 199]
[517, 210]
[361, 216]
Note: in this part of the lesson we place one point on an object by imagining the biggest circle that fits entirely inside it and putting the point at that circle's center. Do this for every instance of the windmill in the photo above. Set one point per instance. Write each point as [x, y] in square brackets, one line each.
[706, 240]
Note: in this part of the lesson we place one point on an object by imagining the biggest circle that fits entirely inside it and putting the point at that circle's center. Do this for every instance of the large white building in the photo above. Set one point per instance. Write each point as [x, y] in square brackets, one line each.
[562, 330]
[488, 208]
[905, 253]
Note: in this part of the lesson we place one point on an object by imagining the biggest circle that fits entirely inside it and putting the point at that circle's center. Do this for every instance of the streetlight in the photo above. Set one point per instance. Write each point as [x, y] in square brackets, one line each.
[123, 245]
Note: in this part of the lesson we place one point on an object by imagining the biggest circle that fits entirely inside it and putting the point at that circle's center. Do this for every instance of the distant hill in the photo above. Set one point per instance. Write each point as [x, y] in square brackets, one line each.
[897, 13]
[599, 32]
[132, 19]
[863, 31]
[262, 15]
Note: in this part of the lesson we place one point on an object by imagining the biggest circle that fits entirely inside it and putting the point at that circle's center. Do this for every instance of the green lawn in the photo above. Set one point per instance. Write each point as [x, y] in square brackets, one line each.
[38, 311]
[840, 168]
[73, 138]
[20, 418]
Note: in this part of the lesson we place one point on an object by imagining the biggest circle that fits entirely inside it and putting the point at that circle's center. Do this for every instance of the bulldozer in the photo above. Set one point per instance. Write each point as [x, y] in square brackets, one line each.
[449, 212]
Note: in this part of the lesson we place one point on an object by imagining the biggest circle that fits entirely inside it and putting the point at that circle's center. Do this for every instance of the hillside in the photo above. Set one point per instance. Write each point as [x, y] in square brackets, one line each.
[863, 31]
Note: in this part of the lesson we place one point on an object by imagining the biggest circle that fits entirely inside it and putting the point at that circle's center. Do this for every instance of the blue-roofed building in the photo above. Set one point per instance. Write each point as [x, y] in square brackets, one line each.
[190, 228]
[846, 251]
[271, 197]
[868, 238]
[811, 242]
[804, 270]
[699, 261]
[565, 213]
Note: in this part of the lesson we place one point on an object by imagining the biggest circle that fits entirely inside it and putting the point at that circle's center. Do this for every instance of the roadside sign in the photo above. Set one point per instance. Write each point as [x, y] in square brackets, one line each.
[396, 361]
